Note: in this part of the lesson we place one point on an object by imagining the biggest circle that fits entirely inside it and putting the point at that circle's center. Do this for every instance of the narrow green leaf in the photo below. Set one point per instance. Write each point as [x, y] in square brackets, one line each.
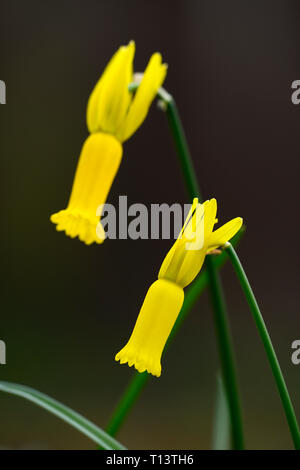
[65, 413]
[221, 431]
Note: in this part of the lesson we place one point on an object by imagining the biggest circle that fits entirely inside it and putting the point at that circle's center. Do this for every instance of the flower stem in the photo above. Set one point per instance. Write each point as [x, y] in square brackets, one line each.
[222, 328]
[265, 337]
[168, 105]
[226, 357]
[125, 404]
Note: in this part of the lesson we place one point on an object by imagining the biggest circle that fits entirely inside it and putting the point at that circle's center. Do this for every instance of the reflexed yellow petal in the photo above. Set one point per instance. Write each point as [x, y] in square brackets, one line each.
[225, 233]
[210, 212]
[152, 80]
[204, 219]
[193, 233]
[110, 99]
[156, 319]
[191, 266]
[173, 261]
[186, 257]
[169, 268]
[194, 205]
[98, 164]
[94, 99]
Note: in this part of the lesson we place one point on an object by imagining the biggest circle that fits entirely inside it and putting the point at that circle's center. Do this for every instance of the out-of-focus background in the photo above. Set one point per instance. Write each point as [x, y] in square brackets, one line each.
[66, 309]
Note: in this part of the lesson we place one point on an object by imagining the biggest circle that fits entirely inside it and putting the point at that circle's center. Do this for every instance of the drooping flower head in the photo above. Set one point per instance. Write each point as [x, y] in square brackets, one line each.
[165, 296]
[113, 115]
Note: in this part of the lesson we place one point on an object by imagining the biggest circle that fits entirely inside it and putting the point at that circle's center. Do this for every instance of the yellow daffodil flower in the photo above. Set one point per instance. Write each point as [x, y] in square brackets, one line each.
[113, 115]
[165, 296]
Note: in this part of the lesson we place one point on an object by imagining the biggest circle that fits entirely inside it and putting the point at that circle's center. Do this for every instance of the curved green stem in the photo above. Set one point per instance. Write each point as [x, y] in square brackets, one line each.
[168, 105]
[126, 402]
[218, 302]
[265, 337]
[226, 357]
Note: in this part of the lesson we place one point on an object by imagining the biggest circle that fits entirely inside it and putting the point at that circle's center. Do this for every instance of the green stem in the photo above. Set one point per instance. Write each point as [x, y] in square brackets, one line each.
[130, 395]
[168, 104]
[220, 316]
[265, 337]
[226, 357]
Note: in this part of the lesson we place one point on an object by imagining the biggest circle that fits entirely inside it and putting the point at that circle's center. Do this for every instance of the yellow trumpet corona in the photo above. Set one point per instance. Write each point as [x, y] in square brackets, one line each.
[113, 115]
[159, 311]
[165, 296]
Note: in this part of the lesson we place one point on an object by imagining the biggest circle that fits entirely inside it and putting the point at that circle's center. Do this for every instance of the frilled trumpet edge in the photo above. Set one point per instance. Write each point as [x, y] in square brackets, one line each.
[142, 363]
[76, 224]
[156, 319]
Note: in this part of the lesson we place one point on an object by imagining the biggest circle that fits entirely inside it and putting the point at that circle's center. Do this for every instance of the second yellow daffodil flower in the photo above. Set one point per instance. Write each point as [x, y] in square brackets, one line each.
[165, 296]
[113, 115]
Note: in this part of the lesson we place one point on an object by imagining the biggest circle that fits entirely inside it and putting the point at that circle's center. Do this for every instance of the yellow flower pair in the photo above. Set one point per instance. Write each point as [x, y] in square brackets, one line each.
[113, 115]
[165, 296]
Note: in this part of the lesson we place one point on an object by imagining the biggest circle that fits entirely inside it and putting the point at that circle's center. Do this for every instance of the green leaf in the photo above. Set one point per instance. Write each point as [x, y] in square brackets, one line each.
[65, 413]
[221, 430]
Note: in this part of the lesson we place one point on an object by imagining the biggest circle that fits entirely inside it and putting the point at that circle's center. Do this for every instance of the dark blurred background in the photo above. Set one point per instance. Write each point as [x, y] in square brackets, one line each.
[67, 308]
